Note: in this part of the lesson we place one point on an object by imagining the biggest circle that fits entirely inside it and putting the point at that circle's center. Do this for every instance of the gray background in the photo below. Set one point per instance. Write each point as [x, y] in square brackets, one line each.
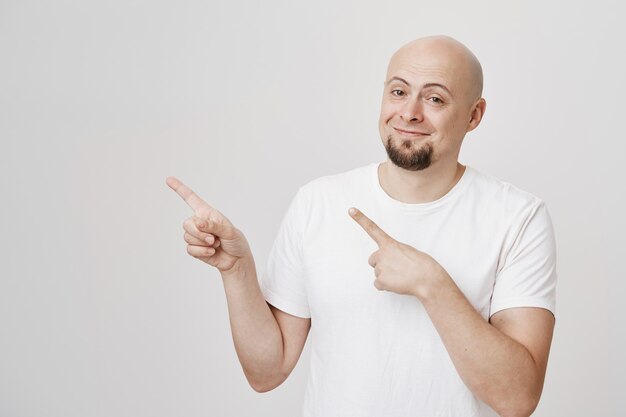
[102, 312]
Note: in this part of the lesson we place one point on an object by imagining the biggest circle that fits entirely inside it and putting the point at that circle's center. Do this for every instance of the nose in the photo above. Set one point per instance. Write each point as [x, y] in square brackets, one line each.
[413, 110]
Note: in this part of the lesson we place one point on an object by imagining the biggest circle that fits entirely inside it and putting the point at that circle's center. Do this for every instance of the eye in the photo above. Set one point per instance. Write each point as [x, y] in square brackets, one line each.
[397, 93]
[436, 100]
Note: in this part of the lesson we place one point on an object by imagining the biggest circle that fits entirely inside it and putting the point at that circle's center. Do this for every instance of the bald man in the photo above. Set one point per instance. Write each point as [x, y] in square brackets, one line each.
[427, 286]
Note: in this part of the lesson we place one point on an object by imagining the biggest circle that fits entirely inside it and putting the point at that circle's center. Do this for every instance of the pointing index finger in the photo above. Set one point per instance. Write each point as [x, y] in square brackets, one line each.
[185, 193]
[372, 229]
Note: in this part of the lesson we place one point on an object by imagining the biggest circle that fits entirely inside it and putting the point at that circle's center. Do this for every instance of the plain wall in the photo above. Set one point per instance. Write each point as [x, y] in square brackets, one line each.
[103, 313]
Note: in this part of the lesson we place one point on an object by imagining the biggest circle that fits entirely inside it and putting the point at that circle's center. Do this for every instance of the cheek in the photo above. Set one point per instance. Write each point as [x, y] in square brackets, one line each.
[382, 126]
[384, 117]
[387, 111]
[446, 123]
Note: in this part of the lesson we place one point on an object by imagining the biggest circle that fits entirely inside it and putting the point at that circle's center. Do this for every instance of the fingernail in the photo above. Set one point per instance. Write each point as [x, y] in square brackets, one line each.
[208, 239]
[352, 211]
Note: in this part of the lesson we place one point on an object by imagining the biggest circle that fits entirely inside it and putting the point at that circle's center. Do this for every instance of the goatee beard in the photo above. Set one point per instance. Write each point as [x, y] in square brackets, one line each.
[415, 161]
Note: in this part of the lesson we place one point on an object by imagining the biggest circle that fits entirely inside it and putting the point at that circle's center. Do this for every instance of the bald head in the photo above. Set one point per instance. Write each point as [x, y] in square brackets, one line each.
[442, 55]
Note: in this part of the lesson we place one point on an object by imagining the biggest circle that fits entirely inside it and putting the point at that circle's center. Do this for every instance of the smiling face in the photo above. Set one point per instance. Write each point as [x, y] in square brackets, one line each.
[430, 100]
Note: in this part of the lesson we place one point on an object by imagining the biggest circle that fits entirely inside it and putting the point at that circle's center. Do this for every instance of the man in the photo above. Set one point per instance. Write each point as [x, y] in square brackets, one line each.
[459, 319]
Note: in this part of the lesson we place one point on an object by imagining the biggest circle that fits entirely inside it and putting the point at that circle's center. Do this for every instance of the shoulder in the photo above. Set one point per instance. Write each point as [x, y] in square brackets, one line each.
[338, 183]
[520, 216]
[491, 191]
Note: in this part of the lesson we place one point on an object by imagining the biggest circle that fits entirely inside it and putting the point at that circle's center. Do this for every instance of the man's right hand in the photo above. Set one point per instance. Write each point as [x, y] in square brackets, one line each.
[268, 341]
[210, 236]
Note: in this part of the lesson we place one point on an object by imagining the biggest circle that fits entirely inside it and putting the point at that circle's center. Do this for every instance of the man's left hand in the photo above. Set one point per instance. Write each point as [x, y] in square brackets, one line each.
[398, 267]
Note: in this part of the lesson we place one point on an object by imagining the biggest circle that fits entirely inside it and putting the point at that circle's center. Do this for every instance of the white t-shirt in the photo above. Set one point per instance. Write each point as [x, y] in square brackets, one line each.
[376, 353]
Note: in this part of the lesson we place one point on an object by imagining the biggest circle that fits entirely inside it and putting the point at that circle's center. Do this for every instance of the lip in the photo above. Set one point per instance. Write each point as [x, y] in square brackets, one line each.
[409, 132]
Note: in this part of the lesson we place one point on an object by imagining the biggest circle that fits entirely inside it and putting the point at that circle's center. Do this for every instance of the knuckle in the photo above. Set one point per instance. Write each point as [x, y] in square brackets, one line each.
[203, 211]
[189, 224]
[191, 239]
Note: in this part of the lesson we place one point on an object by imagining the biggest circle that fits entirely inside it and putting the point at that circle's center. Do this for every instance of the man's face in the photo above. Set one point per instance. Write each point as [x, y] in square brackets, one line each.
[426, 108]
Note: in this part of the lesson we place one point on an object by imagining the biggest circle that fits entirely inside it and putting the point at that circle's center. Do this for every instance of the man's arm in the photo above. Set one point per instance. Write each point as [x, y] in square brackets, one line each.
[268, 341]
[503, 362]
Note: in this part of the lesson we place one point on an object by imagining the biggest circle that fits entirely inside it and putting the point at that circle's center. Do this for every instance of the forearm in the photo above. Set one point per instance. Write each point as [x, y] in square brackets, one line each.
[496, 368]
[256, 333]
[490, 357]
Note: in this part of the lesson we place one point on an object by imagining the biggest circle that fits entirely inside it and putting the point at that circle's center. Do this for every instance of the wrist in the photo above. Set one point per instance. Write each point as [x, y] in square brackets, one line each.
[436, 283]
[241, 268]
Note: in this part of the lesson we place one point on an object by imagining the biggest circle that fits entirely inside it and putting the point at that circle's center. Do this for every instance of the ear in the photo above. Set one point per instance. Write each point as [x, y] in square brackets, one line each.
[478, 111]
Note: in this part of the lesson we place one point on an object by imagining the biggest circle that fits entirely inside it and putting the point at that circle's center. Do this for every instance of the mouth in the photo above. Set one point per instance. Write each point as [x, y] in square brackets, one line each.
[411, 133]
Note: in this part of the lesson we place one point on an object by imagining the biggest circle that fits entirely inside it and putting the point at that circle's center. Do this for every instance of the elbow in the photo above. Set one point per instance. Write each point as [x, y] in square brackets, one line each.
[261, 388]
[262, 385]
[521, 406]
[517, 413]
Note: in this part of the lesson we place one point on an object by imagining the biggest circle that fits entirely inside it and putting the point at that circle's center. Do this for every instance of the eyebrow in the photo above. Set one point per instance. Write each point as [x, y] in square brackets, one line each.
[427, 85]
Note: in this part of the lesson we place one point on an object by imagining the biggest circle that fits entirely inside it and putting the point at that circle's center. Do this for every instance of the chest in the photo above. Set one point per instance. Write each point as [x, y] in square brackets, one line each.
[339, 280]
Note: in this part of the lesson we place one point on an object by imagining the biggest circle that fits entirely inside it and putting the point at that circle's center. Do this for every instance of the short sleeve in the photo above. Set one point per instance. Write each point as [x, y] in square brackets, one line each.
[527, 277]
[283, 283]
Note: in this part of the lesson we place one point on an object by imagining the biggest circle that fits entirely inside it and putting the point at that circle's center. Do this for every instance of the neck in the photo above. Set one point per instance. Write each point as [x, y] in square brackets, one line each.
[415, 187]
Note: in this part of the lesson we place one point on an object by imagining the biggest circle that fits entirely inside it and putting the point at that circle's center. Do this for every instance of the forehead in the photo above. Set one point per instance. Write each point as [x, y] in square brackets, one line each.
[419, 67]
